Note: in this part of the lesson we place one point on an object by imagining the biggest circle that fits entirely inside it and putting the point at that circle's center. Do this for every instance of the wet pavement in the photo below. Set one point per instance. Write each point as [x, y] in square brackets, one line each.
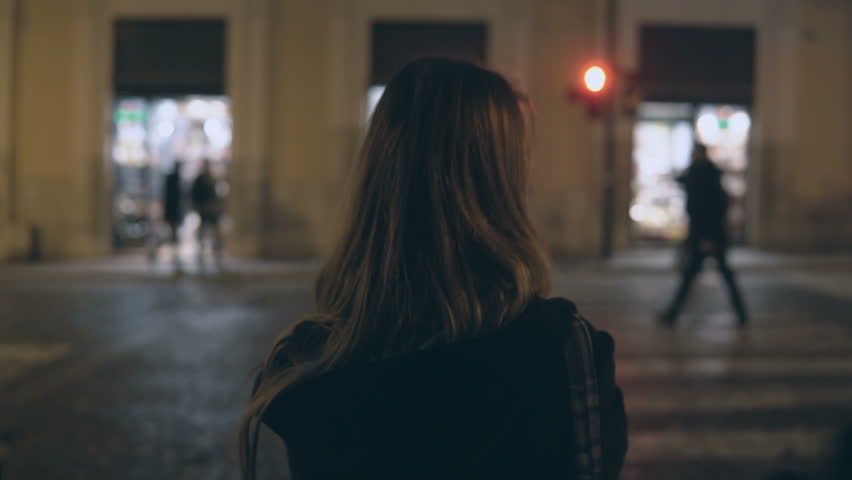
[121, 373]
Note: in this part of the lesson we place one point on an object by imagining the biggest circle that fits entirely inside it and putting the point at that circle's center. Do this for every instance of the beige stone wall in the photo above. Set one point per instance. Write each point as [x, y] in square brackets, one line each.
[300, 181]
[815, 185]
[316, 114]
[297, 77]
[312, 127]
[566, 180]
[6, 91]
[804, 176]
[43, 169]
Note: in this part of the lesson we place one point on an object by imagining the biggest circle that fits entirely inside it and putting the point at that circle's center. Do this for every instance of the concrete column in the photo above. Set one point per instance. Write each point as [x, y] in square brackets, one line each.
[248, 57]
[297, 176]
[819, 178]
[774, 132]
[13, 237]
[87, 228]
[43, 124]
[566, 176]
[6, 86]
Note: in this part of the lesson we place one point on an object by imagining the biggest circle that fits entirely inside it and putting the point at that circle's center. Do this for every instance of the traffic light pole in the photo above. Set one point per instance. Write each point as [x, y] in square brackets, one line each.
[608, 200]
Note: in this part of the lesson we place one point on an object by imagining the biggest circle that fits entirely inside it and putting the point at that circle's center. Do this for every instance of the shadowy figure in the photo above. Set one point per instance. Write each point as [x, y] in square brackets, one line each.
[208, 205]
[707, 207]
[173, 209]
[433, 351]
[172, 214]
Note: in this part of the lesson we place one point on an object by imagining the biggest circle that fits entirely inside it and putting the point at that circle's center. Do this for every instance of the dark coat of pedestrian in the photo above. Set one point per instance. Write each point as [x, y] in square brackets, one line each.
[434, 351]
[205, 198]
[173, 197]
[210, 206]
[706, 201]
[707, 206]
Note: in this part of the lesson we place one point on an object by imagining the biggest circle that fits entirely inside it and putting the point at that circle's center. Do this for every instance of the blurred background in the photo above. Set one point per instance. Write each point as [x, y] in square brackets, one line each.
[114, 366]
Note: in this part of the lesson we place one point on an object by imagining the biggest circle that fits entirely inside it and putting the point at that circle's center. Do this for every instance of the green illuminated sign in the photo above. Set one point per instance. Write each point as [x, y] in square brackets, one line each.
[129, 116]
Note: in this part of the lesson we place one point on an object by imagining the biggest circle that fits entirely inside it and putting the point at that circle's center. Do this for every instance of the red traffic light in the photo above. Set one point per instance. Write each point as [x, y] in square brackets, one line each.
[592, 88]
[594, 78]
[597, 84]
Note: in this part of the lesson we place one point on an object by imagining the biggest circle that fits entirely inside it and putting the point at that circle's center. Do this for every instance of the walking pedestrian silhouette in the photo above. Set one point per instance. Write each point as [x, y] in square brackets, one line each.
[707, 207]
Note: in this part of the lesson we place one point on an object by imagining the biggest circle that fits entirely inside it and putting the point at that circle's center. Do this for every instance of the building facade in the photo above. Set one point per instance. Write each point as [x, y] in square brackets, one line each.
[296, 76]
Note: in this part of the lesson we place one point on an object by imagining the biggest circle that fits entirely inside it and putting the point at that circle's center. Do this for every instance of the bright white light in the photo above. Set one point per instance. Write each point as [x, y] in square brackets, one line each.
[374, 94]
[192, 221]
[595, 79]
[197, 109]
[708, 128]
[658, 217]
[682, 140]
[165, 130]
[218, 108]
[218, 132]
[637, 213]
[166, 110]
[740, 122]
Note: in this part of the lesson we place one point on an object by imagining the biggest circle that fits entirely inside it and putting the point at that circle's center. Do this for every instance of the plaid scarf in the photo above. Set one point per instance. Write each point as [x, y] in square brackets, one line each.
[585, 399]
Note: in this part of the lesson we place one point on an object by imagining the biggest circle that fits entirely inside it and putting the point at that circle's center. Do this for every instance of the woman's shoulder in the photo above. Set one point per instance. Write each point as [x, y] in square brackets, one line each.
[303, 343]
[561, 316]
[552, 313]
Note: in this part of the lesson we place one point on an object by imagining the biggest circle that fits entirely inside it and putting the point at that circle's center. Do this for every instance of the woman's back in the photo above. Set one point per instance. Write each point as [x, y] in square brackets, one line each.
[495, 407]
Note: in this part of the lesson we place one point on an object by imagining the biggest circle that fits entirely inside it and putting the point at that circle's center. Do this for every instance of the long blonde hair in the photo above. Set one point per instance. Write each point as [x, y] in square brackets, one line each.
[438, 246]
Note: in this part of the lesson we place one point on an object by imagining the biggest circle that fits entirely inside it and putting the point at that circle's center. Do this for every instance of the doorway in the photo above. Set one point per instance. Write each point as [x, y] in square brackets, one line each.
[697, 84]
[663, 139]
[169, 108]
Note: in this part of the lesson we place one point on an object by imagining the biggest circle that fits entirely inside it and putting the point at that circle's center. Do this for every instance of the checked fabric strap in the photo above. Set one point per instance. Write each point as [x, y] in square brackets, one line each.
[585, 399]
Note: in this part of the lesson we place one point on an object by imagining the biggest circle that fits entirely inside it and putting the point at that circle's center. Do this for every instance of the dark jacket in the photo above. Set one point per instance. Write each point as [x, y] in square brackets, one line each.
[205, 199]
[496, 407]
[706, 201]
[172, 198]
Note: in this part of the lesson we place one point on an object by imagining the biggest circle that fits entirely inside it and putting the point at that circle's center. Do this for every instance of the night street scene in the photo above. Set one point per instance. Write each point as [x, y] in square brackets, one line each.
[426, 239]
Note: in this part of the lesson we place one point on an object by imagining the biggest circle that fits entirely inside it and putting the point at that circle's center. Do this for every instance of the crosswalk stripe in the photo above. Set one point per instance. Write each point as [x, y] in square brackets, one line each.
[725, 367]
[834, 284]
[727, 341]
[736, 399]
[770, 360]
[728, 445]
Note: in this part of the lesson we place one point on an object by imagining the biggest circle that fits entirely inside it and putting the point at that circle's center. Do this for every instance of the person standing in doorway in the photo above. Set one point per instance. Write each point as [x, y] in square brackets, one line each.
[208, 205]
[173, 210]
[707, 207]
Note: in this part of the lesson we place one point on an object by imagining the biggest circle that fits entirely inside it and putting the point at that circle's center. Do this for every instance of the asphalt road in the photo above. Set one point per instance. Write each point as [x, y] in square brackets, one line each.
[107, 375]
